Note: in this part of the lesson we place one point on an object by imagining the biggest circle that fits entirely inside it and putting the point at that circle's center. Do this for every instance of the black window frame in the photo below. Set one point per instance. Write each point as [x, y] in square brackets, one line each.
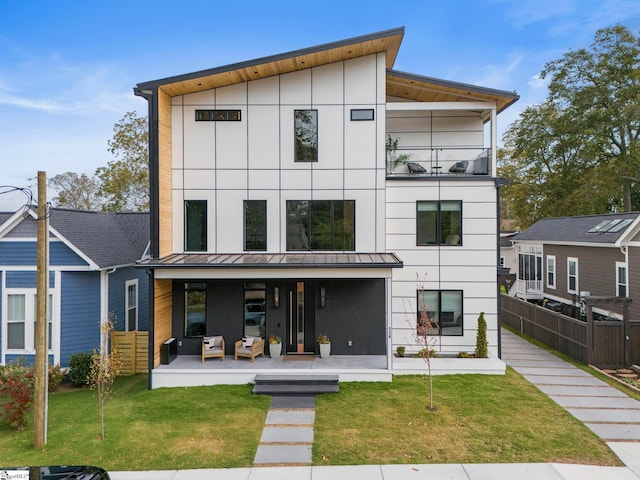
[362, 119]
[439, 218]
[190, 224]
[233, 115]
[434, 326]
[199, 289]
[305, 140]
[341, 225]
[254, 224]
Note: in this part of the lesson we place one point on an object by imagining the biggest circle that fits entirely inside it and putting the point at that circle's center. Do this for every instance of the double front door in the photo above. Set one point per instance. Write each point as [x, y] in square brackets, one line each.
[300, 335]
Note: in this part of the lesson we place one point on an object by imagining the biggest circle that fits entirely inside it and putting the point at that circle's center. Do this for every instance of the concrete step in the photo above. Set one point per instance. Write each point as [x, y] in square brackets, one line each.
[295, 384]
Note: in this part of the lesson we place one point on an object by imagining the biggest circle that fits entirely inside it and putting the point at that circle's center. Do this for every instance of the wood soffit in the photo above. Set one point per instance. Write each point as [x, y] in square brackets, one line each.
[399, 84]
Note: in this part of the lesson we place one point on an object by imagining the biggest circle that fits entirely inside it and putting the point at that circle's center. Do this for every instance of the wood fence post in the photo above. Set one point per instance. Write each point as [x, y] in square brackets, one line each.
[589, 334]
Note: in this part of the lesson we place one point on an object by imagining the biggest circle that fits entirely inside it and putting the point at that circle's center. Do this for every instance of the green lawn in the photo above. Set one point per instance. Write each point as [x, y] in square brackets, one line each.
[479, 419]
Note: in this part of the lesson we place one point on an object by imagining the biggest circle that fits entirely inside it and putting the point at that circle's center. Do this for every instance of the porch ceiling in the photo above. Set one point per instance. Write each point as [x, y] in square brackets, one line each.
[276, 260]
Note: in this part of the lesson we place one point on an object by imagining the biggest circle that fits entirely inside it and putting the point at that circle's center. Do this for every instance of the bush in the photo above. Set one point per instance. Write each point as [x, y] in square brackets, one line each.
[482, 346]
[16, 394]
[400, 350]
[427, 353]
[80, 368]
[55, 377]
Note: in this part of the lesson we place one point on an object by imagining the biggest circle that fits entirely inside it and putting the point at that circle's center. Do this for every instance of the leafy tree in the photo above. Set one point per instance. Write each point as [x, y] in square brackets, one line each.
[125, 181]
[78, 192]
[577, 152]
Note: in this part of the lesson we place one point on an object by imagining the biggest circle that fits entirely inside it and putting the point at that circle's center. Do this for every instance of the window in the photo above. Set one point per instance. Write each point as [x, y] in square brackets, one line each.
[49, 322]
[306, 135]
[621, 279]
[321, 225]
[361, 114]
[131, 305]
[551, 271]
[16, 316]
[255, 224]
[195, 308]
[572, 275]
[195, 225]
[255, 295]
[217, 115]
[439, 223]
[439, 312]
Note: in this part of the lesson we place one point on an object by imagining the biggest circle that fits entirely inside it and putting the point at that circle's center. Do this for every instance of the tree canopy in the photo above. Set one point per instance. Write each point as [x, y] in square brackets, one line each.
[123, 184]
[577, 152]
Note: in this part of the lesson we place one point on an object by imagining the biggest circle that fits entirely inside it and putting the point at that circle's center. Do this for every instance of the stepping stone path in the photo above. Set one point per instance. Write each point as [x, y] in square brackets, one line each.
[287, 437]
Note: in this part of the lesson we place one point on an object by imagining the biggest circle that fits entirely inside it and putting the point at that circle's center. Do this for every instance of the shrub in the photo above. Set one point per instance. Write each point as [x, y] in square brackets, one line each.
[16, 394]
[55, 377]
[465, 355]
[482, 346]
[80, 368]
[400, 350]
[426, 353]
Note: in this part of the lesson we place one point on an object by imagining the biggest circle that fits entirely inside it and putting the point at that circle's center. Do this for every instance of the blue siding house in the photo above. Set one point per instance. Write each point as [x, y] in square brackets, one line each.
[92, 277]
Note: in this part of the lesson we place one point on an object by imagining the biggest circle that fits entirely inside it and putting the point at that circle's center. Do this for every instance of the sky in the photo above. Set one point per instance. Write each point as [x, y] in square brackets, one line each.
[68, 68]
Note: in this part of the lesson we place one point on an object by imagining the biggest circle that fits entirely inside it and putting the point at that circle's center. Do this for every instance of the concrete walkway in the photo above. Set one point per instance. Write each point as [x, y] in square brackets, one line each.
[609, 413]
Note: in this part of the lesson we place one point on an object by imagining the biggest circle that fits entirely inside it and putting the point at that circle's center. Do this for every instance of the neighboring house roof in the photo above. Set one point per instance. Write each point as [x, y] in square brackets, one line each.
[107, 238]
[399, 84]
[596, 229]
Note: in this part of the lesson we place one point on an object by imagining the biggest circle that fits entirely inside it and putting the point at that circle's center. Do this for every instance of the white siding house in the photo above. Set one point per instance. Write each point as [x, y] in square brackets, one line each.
[275, 208]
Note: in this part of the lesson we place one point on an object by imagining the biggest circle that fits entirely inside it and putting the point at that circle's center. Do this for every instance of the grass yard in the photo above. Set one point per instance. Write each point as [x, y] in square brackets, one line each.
[479, 419]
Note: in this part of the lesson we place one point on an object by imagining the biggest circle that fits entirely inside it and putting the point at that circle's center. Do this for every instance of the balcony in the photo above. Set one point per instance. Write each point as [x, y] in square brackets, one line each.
[438, 161]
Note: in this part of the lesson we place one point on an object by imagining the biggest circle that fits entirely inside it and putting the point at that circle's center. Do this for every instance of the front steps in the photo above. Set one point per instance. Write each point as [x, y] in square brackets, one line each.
[279, 385]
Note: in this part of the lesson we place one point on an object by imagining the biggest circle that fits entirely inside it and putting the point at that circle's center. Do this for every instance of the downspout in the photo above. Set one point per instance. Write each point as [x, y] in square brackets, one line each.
[500, 182]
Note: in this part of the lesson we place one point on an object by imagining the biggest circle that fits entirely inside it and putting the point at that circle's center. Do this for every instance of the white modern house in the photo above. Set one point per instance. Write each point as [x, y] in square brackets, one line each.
[320, 191]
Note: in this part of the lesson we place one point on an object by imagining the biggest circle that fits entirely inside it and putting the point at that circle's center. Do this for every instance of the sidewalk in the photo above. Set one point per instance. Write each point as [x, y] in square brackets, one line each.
[609, 413]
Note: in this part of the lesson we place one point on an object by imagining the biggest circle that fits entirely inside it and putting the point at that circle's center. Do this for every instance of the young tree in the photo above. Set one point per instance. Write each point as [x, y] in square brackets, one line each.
[78, 192]
[125, 181]
[104, 369]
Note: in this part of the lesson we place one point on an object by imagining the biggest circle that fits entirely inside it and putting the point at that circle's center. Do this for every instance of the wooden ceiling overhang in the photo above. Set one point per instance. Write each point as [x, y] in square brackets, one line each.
[417, 88]
[386, 41]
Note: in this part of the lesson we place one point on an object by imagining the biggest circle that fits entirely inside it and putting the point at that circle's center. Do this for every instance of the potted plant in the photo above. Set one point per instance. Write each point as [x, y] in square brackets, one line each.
[325, 345]
[275, 345]
[394, 159]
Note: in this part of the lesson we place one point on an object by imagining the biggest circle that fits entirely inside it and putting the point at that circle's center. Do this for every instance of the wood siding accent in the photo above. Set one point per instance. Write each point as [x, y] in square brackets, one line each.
[162, 316]
[164, 174]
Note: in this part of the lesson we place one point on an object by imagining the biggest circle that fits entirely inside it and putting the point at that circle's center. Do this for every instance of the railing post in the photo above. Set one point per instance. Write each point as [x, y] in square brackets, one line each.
[589, 334]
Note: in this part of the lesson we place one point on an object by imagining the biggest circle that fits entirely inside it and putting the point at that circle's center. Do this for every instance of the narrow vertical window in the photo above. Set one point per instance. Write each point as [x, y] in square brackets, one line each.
[621, 279]
[306, 135]
[131, 305]
[16, 316]
[49, 321]
[195, 309]
[255, 224]
[255, 296]
[551, 271]
[572, 275]
[195, 225]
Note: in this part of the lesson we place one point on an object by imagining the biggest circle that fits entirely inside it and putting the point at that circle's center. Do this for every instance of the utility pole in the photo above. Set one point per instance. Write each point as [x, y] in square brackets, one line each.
[41, 370]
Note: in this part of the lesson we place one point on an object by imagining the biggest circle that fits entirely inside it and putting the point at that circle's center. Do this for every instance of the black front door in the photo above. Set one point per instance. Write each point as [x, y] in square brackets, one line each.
[300, 318]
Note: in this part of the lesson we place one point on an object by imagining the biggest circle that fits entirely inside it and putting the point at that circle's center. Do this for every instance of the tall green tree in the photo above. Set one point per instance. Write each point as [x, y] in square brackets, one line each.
[78, 192]
[125, 180]
[577, 152]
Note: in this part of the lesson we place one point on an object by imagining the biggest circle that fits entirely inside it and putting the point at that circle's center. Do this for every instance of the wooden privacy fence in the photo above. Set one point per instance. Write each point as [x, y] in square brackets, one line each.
[132, 349]
[603, 345]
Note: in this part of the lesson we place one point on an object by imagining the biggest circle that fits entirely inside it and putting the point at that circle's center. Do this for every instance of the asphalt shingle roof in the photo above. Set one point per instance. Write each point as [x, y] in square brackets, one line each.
[575, 229]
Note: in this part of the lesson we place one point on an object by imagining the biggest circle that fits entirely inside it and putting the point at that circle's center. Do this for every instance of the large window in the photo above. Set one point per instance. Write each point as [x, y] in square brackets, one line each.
[255, 224]
[306, 135]
[439, 222]
[321, 225]
[195, 309]
[255, 296]
[21, 320]
[439, 312]
[131, 305]
[195, 225]
[572, 275]
[621, 279]
[551, 271]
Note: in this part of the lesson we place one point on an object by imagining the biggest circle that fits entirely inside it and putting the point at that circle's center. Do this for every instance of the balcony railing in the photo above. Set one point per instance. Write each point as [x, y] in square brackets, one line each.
[416, 161]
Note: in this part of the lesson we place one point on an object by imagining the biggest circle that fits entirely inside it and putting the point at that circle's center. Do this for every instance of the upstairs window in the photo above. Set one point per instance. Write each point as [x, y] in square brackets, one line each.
[217, 115]
[255, 225]
[621, 279]
[551, 271]
[321, 225]
[439, 222]
[195, 225]
[572, 275]
[306, 135]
